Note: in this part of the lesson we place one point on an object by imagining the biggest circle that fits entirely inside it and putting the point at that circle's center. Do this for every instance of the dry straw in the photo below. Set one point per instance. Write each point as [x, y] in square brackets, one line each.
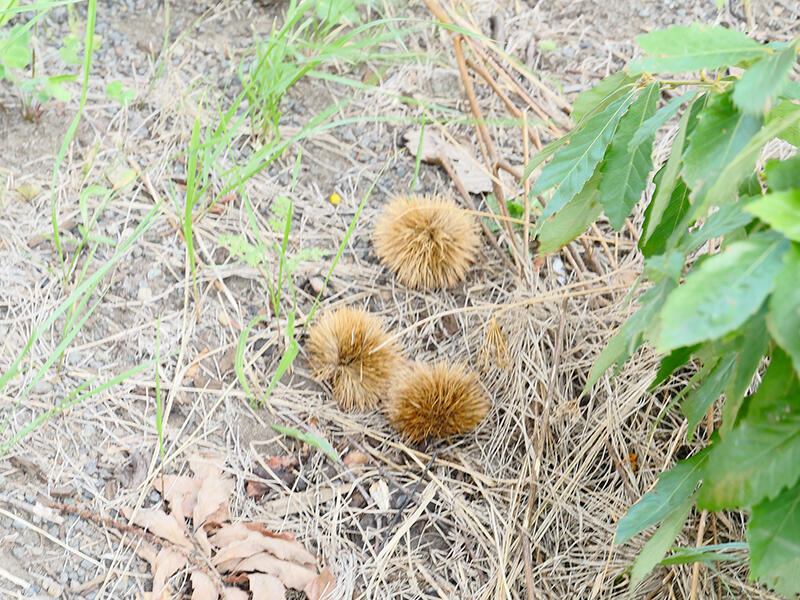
[436, 401]
[350, 349]
[428, 242]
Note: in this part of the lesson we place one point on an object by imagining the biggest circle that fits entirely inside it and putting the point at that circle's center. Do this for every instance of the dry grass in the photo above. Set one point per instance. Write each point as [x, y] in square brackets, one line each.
[524, 506]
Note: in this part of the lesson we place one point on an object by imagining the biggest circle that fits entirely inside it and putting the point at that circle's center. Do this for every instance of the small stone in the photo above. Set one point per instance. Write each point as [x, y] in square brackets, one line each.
[316, 284]
[17, 524]
[18, 552]
[42, 387]
[144, 294]
[154, 272]
[30, 497]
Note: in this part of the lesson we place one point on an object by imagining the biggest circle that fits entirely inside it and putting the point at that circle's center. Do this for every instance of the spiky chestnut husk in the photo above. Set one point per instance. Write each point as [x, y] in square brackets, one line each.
[435, 401]
[350, 349]
[427, 242]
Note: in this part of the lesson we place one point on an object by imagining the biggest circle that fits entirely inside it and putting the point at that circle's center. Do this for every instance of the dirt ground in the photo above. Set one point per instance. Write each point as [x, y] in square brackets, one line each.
[496, 504]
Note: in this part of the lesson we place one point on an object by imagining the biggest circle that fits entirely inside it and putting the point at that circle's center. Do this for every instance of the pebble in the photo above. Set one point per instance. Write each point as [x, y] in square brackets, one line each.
[154, 272]
[144, 293]
[30, 497]
[42, 387]
[18, 552]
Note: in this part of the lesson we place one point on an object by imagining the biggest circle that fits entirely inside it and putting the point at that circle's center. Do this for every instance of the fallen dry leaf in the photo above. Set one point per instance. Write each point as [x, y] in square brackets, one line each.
[255, 489]
[234, 593]
[355, 457]
[281, 462]
[212, 500]
[180, 491]
[291, 574]
[266, 587]
[437, 151]
[256, 542]
[204, 467]
[158, 522]
[168, 562]
[322, 586]
[203, 587]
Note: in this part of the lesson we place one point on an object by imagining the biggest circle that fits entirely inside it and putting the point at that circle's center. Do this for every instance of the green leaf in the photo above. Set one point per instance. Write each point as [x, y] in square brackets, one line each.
[783, 318]
[726, 219]
[781, 210]
[720, 294]
[658, 545]
[704, 554]
[762, 82]
[773, 534]
[572, 220]
[724, 190]
[696, 47]
[721, 134]
[670, 172]
[17, 54]
[696, 403]
[673, 488]
[778, 392]
[625, 170]
[574, 164]
[673, 214]
[631, 334]
[662, 115]
[753, 344]
[783, 110]
[310, 438]
[783, 175]
[752, 462]
[675, 359]
[607, 90]
[546, 153]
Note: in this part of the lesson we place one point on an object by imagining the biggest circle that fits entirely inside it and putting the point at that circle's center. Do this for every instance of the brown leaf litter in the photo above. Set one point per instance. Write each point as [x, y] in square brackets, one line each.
[233, 561]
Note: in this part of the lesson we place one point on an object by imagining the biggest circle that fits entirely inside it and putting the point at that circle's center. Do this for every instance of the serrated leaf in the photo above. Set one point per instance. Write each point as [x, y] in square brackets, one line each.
[673, 488]
[673, 214]
[605, 90]
[695, 47]
[625, 171]
[546, 153]
[670, 171]
[572, 220]
[696, 403]
[773, 534]
[661, 116]
[658, 545]
[764, 81]
[783, 174]
[726, 219]
[751, 463]
[781, 210]
[777, 394]
[720, 294]
[675, 359]
[631, 334]
[724, 190]
[721, 133]
[783, 318]
[753, 344]
[574, 164]
[783, 110]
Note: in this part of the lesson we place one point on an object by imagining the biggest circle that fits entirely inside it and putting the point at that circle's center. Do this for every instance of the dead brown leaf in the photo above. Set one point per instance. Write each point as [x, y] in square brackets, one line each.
[168, 562]
[291, 574]
[266, 587]
[255, 489]
[436, 150]
[234, 593]
[158, 522]
[180, 491]
[212, 500]
[322, 586]
[203, 587]
[256, 542]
